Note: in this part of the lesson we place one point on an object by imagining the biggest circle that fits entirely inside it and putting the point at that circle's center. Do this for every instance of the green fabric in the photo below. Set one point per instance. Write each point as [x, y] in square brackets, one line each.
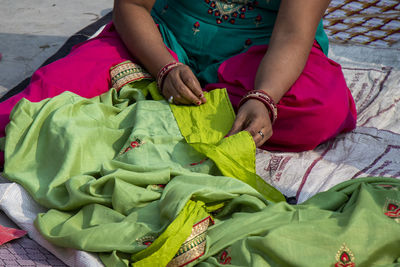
[322, 38]
[198, 31]
[2, 143]
[311, 234]
[98, 164]
[102, 196]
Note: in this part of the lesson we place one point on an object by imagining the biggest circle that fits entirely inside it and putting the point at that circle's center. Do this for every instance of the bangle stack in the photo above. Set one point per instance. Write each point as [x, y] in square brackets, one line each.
[263, 97]
[162, 74]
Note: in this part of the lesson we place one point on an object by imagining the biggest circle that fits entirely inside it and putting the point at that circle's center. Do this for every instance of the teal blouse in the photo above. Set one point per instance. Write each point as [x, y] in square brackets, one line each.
[205, 33]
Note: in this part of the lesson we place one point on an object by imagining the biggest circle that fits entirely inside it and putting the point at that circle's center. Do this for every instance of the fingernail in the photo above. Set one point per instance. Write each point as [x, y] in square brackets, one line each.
[201, 95]
[198, 103]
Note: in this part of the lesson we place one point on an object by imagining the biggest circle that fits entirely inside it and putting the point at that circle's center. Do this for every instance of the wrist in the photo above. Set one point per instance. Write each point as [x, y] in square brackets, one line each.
[263, 97]
[274, 94]
[164, 71]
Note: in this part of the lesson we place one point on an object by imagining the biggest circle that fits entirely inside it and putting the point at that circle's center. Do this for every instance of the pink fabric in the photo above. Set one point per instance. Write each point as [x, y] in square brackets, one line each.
[8, 234]
[316, 108]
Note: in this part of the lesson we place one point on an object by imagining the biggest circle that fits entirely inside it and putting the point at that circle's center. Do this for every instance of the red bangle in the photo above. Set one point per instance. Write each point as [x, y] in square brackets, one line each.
[162, 74]
[263, 97]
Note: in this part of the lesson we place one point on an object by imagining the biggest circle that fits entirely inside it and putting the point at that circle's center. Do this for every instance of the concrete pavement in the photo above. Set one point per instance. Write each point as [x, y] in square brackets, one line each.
[33, 30]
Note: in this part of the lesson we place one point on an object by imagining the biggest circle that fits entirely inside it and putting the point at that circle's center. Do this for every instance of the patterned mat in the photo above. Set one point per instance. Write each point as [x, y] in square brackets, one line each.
[367, 22]
[26, 252]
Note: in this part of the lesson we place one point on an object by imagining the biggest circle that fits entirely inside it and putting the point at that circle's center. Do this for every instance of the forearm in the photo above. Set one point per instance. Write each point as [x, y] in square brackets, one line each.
[290, 45]
[140, 34]
[282, 65]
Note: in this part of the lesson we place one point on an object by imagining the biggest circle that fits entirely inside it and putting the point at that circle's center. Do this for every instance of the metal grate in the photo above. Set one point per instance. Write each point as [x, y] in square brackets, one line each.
[368, 22]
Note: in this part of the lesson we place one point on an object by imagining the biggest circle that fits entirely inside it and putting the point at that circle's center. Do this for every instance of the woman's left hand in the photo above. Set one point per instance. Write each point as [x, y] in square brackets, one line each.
[253, 117]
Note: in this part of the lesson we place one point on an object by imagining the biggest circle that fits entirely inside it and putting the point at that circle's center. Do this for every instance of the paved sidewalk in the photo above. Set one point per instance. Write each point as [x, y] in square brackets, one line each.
[33, 30]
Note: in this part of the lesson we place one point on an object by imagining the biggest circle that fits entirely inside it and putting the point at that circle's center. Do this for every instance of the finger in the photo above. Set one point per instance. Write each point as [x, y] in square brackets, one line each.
[266, 134]
[167, 92]
[180, 100]
[260, 136]
[170, 89]
[193, 84]
[255, 134]
[237, 126]
[186, 96]
[257, 130]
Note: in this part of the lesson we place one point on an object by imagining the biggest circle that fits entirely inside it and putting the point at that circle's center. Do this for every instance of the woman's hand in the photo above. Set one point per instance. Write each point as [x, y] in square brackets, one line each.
[183, 86]
[253, 117]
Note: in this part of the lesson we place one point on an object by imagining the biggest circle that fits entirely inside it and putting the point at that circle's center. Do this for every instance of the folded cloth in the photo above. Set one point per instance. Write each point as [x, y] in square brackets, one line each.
[116, 171]
[140, 183]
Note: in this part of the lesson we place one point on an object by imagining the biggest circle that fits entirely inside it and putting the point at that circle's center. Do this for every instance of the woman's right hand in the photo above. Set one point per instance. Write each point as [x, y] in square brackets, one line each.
[183, 86]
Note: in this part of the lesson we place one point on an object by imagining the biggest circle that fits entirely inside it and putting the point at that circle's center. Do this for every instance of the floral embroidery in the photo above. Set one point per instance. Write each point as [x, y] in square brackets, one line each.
[229, 10]
[134, 144]
[224, 257]
[392, 210]
[156, 187]
[196, 27]
[345, 257]
[198, 163]
[258, 20]
[247, 43]
[146, 240]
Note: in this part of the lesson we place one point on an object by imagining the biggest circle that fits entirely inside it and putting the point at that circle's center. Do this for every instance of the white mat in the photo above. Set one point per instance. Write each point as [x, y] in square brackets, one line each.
[372, 149]
[18, 205]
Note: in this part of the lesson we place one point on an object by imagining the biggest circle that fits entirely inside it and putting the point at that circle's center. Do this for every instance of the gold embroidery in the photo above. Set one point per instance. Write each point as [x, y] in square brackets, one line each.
[243, 2]
[194, 246]
[127, 72]
[228, 7]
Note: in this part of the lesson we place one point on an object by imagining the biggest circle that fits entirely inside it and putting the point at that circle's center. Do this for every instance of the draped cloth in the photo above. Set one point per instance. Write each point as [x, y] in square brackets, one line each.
[142, 182]
[103, 166]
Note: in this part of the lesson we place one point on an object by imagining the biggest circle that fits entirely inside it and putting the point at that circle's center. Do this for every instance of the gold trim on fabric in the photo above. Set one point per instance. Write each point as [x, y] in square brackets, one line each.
[194, 246]
[127, 72]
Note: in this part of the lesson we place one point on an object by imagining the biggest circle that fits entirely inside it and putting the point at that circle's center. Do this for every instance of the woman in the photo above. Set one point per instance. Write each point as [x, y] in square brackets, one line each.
[222, 44]
[209, 32]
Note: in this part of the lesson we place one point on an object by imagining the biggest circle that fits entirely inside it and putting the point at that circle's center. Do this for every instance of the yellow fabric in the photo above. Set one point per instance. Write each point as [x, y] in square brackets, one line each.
[234, 155]
[168, 243]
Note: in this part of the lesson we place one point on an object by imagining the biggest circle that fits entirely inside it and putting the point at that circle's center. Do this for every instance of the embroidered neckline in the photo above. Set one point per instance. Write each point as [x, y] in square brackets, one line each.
[229, 10]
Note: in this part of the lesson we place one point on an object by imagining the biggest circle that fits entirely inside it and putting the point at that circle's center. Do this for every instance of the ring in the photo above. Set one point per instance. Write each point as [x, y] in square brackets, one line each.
[171, 99]
[261, 133]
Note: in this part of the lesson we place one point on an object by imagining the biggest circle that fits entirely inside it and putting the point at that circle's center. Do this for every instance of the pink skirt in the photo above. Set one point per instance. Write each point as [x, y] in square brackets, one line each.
[317, 107]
